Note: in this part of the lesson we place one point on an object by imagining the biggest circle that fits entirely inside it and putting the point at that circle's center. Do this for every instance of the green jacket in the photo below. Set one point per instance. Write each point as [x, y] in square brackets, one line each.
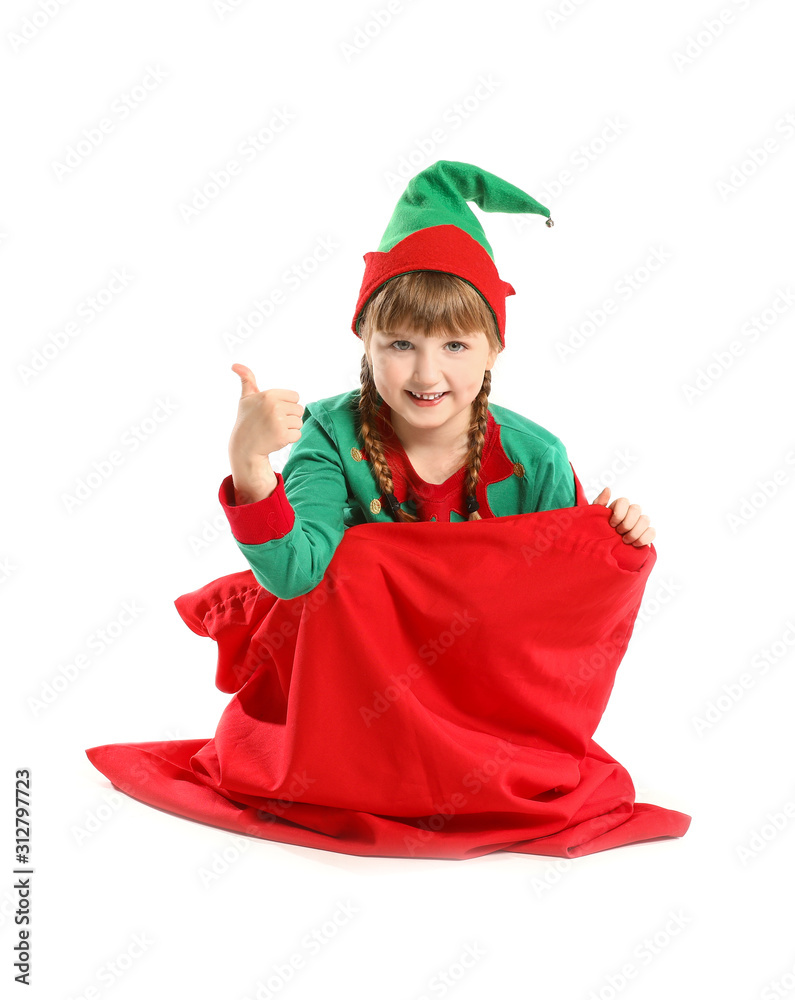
[327, 486]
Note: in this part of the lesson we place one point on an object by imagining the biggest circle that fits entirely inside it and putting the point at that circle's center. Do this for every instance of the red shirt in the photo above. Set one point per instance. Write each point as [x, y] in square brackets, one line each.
[432, 501]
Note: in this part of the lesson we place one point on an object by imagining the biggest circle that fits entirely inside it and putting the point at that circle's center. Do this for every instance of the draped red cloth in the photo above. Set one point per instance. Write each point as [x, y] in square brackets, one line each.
[434, 696]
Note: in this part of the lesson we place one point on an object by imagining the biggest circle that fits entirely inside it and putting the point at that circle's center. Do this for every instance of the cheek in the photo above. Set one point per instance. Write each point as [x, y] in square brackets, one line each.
[391, 365]
[387, 371]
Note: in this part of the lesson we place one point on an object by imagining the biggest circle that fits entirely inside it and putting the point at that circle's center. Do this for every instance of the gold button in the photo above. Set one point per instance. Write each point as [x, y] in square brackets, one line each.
[375, 505]
[356, 455]
[518, 469]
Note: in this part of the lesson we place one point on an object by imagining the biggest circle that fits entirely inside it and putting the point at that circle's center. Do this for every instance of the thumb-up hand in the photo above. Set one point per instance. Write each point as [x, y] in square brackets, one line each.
[266, 421]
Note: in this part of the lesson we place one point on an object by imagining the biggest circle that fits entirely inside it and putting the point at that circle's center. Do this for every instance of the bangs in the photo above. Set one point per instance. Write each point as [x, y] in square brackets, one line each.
[433, 303]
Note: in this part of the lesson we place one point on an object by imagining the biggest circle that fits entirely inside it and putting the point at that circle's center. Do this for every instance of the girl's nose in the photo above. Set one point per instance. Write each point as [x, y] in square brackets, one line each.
[426, 372]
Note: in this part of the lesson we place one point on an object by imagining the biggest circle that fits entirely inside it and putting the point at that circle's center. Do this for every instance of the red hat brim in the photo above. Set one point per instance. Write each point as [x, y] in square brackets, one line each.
[437, 248]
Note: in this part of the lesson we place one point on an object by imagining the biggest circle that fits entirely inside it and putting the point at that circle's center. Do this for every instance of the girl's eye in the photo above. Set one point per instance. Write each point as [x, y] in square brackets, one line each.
[458, 342]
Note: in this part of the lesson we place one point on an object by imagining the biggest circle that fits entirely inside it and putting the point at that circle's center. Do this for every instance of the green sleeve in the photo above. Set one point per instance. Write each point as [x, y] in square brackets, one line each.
[554, 487]
[315, 485]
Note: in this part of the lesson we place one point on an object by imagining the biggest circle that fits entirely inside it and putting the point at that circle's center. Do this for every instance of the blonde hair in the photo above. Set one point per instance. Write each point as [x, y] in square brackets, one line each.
[436, 304]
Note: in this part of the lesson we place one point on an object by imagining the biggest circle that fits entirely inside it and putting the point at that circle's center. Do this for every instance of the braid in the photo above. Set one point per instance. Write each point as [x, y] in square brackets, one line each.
[477, 437]
[373, 445]
[374, 448]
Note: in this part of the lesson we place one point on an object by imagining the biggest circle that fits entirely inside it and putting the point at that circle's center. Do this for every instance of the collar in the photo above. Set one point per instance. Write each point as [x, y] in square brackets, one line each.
[495, 466]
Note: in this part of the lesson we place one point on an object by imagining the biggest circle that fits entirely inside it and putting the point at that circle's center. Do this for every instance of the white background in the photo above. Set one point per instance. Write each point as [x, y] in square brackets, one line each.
[653, 114]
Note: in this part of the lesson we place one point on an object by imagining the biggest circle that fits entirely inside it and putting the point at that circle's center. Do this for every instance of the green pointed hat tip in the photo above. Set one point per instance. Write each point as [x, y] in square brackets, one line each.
[438, 196]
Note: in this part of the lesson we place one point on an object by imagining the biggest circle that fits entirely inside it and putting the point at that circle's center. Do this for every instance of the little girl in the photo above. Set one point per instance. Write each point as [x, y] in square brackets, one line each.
[419, 440]
[418, 687]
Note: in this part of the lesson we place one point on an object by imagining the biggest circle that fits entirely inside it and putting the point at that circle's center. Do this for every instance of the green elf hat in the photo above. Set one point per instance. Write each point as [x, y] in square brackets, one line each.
[433, 229]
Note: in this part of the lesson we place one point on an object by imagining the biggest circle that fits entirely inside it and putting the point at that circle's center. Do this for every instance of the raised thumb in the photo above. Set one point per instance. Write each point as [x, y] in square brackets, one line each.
[248, 382]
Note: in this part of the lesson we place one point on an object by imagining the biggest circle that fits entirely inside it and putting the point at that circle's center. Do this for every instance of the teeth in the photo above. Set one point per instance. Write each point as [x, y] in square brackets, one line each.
[418, 396]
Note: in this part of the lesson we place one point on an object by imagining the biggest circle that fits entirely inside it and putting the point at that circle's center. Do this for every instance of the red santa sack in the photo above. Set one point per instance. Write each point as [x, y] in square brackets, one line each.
[434, 696]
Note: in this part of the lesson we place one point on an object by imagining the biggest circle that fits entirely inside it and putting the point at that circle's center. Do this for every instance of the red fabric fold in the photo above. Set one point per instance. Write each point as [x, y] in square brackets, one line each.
[435, 695]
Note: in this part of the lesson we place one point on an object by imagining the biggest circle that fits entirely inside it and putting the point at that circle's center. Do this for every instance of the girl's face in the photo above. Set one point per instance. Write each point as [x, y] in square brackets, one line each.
[406, 362]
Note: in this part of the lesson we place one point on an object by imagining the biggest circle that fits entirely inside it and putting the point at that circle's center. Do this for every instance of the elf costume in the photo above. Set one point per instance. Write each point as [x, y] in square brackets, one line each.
[289, 542]
[423, 689]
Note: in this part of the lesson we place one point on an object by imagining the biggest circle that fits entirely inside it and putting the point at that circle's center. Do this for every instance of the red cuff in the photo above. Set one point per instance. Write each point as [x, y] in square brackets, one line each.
[254, 523]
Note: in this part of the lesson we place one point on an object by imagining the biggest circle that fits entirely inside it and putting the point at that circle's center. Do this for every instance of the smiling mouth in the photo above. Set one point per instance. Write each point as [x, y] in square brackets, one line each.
[427, 396]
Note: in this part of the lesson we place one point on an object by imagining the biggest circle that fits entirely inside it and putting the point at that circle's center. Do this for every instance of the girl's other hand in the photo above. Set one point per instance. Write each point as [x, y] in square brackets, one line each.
[628, 520]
